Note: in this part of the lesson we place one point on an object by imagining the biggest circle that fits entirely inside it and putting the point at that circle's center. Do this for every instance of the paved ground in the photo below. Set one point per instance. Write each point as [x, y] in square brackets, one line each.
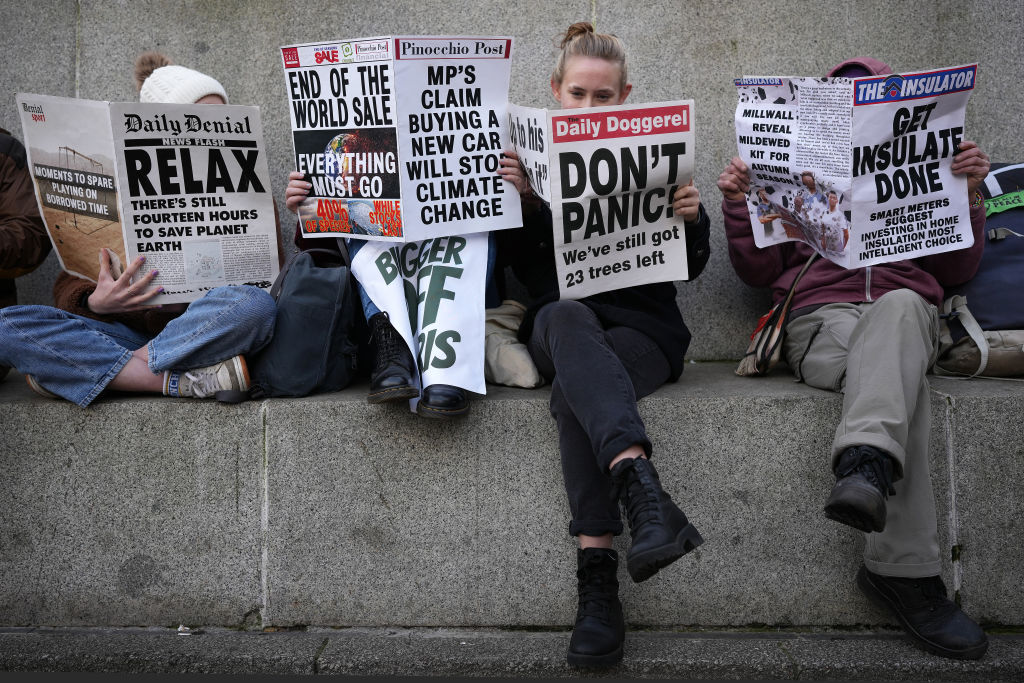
[494, 654]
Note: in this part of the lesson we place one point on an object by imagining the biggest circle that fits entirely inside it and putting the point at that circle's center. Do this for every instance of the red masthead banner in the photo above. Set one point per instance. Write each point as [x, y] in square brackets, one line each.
[577, 127]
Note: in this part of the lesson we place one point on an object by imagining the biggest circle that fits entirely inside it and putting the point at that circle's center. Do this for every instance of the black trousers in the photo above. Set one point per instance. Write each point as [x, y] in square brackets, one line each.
[596, 377]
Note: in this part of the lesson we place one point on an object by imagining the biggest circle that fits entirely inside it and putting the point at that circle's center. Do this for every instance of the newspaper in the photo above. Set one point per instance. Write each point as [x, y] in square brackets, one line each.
[609, 174]
[186, 186]
[859, 169]
[401, 136]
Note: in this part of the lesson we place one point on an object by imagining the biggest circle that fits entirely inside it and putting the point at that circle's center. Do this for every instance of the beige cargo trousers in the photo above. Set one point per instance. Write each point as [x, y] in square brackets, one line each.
[878, 354]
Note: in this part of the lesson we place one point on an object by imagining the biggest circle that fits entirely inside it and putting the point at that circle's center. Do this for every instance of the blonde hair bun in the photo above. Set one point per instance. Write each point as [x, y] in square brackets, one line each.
[577, 29]
[581, 40]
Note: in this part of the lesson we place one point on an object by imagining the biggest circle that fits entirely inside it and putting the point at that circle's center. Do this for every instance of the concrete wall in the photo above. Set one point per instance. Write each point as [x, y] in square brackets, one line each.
[677, 50]
[329, 511]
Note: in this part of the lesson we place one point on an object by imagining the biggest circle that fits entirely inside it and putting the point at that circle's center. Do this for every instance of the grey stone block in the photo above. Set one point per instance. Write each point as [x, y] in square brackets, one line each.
[130, 512]
[38, 52]
[381, 518]
[987, 453]
[754, 487]
[159, 511]
[439, 523]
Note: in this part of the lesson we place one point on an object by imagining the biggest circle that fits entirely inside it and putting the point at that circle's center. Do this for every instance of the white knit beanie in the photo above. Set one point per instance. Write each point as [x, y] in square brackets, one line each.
[175, 84]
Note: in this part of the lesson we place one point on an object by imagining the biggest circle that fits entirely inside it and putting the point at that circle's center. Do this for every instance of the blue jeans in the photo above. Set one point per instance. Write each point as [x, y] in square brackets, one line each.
[76, 357]
[490, 295]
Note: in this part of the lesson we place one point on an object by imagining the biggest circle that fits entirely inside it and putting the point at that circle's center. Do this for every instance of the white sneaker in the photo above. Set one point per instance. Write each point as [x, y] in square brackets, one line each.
[38, 388]
[229, 375]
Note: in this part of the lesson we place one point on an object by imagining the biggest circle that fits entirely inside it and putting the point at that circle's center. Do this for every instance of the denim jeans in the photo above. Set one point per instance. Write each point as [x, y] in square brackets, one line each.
[76, 357]
[491, 295]
[596, 376]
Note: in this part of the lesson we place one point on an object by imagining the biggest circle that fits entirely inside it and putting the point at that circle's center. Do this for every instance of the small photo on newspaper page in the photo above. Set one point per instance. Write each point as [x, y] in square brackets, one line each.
[859, 169]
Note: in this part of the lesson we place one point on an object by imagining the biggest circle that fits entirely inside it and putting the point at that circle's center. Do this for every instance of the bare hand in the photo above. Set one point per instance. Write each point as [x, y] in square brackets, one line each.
[510, 169]
[973, 163]
[686, 202]
[735, 180]
[297, 190]
[121, 295]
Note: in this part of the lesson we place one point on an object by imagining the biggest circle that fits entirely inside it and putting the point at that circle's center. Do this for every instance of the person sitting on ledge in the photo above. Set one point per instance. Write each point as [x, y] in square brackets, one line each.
[872, 333]
[602, 354]
[109, 335]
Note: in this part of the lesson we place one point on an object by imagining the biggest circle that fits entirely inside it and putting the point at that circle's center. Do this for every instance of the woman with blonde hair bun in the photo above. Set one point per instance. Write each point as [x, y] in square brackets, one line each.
[601, 354]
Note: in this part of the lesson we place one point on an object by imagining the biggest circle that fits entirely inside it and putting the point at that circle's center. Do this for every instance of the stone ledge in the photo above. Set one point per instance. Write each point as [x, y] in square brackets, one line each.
[330, 511]
[493, 654]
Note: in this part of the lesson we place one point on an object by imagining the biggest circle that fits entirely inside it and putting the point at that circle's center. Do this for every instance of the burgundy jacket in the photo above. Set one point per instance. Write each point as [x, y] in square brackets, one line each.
[825, 282]
[24, 243]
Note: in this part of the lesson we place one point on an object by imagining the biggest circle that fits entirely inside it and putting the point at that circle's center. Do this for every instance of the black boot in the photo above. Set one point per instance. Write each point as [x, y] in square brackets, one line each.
[392, 378]
[864, 477]
[600, 630]
[660, 532]
[443, 401]
[932, 620]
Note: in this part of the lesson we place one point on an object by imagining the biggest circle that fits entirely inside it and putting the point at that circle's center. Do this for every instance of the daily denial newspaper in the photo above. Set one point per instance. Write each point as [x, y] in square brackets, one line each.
[609, 174]
[187, 186]
[857, 168]
[401, 136]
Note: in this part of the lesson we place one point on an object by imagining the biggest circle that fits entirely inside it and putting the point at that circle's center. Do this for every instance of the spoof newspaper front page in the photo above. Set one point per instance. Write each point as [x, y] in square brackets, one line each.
[609, 174]
[401, 136]
[187, 186]
[859, 169]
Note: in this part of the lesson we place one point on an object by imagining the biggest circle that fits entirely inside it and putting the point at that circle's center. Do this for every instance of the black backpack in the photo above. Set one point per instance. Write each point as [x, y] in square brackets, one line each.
[313, 348]
[982, 330]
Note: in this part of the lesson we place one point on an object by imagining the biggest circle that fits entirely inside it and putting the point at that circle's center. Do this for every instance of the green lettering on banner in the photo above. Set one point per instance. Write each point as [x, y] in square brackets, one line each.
[443, 343]
[411, 304]
[455, 246]
[431, 298]
[434, 342]
[1004, 202]
[386, 266]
